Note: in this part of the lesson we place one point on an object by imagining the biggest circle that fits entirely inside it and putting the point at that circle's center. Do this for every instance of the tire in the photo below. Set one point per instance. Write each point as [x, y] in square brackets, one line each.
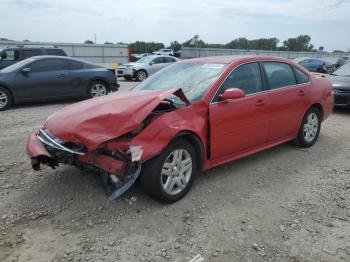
[6, 99]
[155, 179]
[141, 75]
[310, 128]
[97, 89]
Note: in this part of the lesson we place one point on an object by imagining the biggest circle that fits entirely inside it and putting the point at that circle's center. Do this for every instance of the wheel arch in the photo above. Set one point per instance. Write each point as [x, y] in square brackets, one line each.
[13, 98]
[196, 142]
[143, 69]
[319, 107]
[99, 79]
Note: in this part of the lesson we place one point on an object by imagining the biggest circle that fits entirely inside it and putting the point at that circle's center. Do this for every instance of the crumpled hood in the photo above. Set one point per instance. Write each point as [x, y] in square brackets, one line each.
[97, 120]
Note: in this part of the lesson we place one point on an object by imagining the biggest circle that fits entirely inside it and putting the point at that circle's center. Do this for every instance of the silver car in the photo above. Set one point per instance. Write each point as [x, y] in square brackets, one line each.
[146, 66]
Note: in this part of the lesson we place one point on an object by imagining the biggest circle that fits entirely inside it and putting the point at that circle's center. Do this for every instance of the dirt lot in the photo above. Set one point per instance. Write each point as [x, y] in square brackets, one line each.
[284, 204]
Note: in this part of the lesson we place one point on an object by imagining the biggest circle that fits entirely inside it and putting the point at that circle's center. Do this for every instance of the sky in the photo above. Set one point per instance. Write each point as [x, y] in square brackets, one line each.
[215, 21]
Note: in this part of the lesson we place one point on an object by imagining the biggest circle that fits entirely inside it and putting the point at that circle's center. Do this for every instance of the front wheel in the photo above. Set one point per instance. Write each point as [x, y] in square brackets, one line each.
[169, 176]
[141, 75]
[310, 128]
[97, 89]
[5, 99]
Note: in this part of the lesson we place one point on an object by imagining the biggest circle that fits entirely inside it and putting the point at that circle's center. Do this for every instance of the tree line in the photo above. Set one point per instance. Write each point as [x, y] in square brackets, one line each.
[299, 43]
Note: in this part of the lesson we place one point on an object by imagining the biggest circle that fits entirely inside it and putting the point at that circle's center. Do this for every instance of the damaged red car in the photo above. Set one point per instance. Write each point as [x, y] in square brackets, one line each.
[191, 116]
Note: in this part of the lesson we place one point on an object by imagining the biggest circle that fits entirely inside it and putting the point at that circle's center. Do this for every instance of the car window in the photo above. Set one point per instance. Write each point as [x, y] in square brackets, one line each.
[169, 60]
[158, 60]
[279, 74]
[246, 77]
[10, 55]
[29, 53]
[301, 76]
[18, 65]
[49, 65]
[55, 52]
[73, 65]
[304, 63]
[343, 70]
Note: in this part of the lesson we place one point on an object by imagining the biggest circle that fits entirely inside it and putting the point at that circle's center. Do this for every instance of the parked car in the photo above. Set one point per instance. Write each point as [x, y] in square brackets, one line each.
[191, 116]
[10, 56]
[341, 85]
[315, 64]
[164, 51]
[145, 67]
[53, 77]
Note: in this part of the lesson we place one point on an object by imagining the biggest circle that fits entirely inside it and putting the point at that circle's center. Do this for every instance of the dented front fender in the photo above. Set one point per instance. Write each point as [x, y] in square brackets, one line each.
[162, 130]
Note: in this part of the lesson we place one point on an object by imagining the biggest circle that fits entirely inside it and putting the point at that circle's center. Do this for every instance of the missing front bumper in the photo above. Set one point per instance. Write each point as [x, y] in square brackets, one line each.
[117, 175]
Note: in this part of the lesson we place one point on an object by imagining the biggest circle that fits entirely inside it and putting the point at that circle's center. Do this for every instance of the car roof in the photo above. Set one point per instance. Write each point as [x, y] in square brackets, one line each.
[155, 56]
[232, 59]
[31, 47]
[39, 57]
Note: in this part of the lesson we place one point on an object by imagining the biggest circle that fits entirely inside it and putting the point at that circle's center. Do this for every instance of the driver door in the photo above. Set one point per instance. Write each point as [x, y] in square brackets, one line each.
[156, 64]
[48, 78]
[239, 125]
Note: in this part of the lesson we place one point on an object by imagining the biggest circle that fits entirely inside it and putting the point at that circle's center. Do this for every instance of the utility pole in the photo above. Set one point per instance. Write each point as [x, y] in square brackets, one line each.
[95, 38]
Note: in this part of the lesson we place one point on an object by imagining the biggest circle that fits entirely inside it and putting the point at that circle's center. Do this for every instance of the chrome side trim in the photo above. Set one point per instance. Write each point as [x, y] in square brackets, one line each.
[51, 142]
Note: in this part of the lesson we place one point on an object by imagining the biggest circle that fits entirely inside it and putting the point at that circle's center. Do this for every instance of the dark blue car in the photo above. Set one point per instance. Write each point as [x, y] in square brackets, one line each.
[42, 78]
[314, 64]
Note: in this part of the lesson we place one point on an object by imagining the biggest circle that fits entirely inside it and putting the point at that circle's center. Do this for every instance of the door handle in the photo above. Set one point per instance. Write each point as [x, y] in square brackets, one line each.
[260, 102]
[61, 75]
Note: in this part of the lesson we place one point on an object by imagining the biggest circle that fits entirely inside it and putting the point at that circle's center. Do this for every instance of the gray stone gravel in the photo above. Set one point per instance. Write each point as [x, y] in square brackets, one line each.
[283, 204]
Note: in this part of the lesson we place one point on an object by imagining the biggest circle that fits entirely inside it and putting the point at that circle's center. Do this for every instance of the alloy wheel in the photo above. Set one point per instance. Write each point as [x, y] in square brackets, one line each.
[310, 127]
[176, 171]
[98, 90]
[3, 99]
[141, 75]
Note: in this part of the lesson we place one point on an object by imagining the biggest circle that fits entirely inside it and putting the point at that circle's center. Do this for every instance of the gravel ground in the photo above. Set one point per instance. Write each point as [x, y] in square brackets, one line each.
[283, 204]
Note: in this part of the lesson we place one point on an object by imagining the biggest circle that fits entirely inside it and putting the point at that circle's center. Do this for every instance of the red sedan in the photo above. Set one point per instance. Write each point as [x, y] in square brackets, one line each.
[189, 117]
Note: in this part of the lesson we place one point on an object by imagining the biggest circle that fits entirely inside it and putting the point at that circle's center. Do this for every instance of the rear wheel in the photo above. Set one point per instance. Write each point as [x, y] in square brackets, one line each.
[310, 128]
[169, 176]
[97, 89]
[5, 99]
[141, 75]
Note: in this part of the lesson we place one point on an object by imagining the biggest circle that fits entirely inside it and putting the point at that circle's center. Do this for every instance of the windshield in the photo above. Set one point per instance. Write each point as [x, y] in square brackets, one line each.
[145, 60]
[194, 79]
[343, 70]
[16, 66]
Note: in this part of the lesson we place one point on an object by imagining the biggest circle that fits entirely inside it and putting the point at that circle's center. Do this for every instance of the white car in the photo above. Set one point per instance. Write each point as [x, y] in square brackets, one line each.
[164, 52]
[144, 67]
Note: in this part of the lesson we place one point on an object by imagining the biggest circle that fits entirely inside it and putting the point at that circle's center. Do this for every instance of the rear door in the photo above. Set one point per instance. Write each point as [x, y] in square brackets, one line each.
[48, 78]
[288, 99]
[168, 60]
[240, 124]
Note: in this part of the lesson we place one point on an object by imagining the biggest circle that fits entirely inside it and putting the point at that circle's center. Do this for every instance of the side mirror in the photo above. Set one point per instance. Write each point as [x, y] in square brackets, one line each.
[26, 70]
[232, 93]
[151, 63]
